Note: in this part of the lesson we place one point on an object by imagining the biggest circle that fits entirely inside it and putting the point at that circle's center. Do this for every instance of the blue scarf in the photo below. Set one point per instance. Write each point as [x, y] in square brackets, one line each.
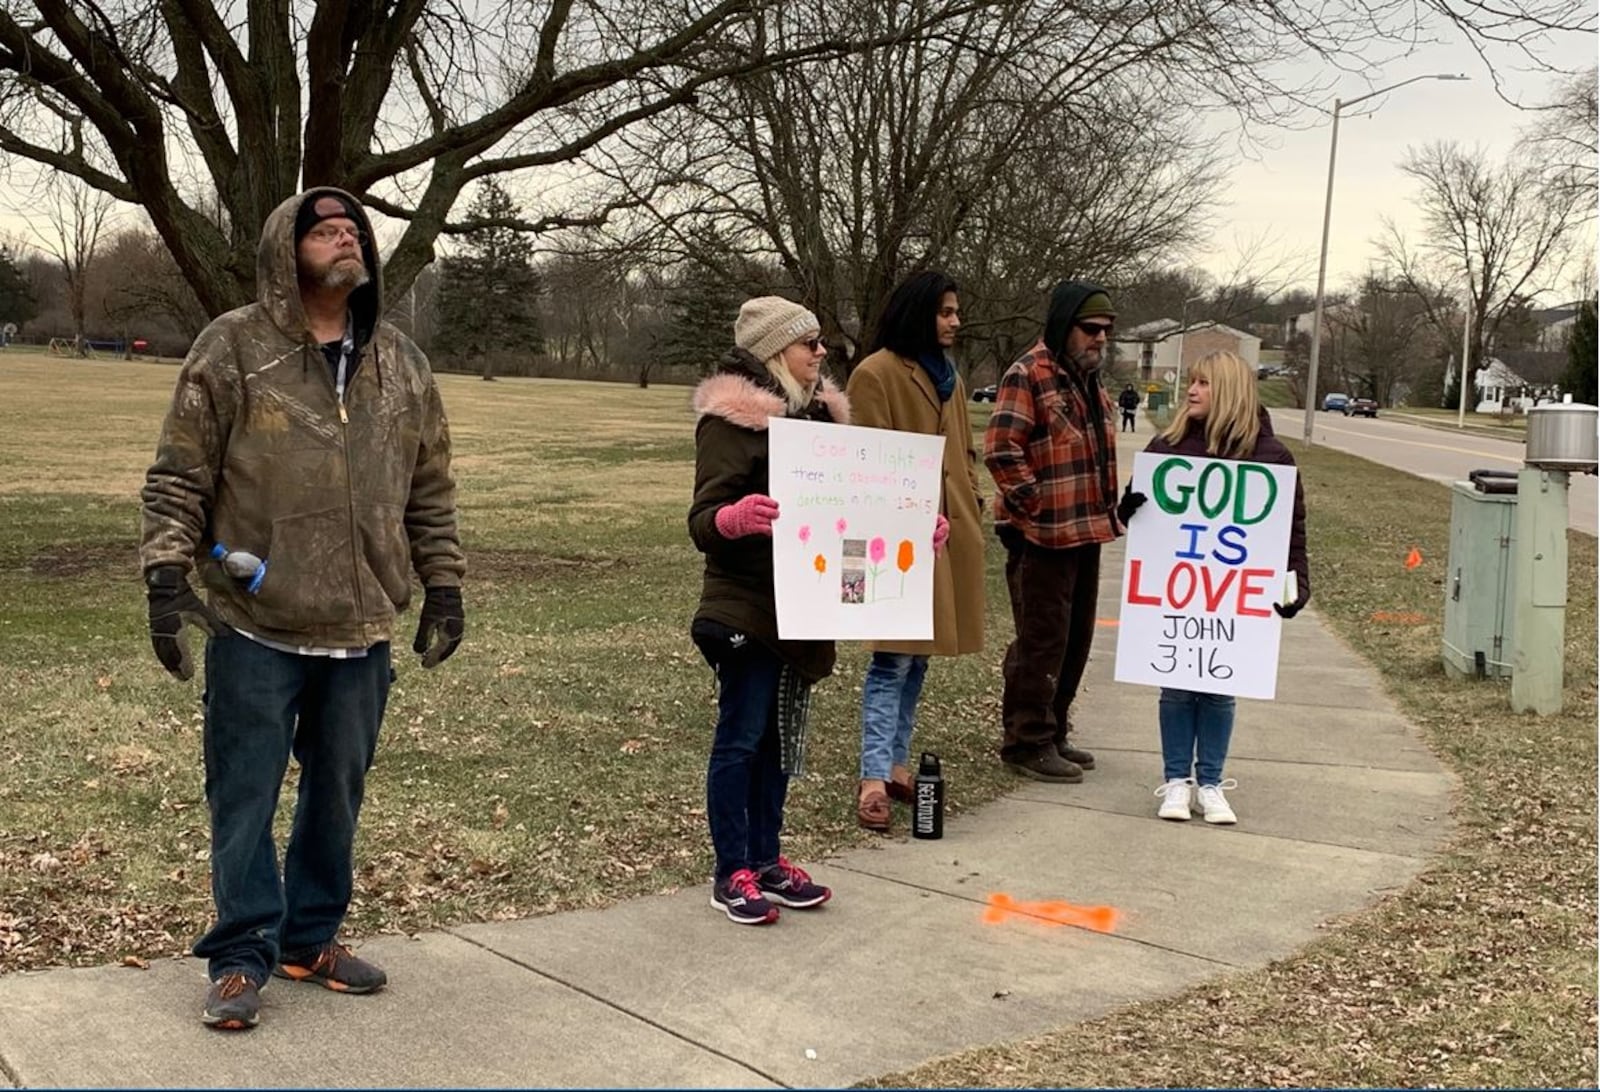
[941, 371]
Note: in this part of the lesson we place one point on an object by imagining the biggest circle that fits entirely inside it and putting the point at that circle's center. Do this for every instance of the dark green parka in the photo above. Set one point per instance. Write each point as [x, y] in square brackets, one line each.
[730, 462]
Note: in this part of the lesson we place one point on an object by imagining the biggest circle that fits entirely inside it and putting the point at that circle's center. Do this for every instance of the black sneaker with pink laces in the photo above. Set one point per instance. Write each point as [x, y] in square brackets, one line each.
[739, 896]
[789, 886]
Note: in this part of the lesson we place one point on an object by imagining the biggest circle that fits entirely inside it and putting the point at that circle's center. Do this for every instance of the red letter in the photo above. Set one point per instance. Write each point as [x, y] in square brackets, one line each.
[1214, 595]
[1248, 588]
[1133, 586]
[1172, 585]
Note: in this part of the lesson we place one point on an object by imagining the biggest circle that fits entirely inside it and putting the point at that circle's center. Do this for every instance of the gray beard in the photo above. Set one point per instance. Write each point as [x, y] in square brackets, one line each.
[343, 276]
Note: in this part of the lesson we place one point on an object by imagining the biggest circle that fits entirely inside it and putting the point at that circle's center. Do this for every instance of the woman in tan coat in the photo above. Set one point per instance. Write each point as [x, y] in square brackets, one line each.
[909, 383]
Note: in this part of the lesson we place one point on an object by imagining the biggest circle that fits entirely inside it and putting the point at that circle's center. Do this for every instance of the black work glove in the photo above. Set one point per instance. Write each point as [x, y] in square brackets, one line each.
[440, 628]
[1130, 503]
[173, 604]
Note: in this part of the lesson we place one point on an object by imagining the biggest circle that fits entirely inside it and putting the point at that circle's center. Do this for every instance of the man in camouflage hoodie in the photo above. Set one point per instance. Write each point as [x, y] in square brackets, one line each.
[310, 434]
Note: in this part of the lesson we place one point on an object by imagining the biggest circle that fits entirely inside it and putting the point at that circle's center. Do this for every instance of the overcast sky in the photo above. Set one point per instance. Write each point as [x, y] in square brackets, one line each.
[1280, 196]
[1277, 197]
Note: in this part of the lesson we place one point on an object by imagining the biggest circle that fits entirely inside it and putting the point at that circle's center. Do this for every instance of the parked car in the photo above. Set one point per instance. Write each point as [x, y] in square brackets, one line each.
[986, 394]
[1361, 407]
[1335, 401]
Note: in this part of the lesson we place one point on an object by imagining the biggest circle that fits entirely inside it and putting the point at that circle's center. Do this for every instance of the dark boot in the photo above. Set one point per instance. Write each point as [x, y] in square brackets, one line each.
[1074, 755]
[1045, 765]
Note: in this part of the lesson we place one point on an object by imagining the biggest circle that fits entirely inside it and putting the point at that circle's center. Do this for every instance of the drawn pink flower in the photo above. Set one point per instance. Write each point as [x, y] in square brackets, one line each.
[876, 549]
[840, 526]
[805, 532]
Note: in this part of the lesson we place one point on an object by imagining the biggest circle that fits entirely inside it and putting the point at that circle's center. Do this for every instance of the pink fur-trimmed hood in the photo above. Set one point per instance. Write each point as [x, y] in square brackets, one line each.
[741, 402]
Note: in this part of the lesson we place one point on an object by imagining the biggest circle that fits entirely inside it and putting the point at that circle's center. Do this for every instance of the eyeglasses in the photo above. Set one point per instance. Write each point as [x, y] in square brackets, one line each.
[811, 343]
[1095, 329]
[331, 234]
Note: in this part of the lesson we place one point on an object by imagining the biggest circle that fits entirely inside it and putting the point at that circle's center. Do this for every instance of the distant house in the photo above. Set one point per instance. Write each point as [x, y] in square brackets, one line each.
[1154, 345]
[1300, 325]
[1554, 323]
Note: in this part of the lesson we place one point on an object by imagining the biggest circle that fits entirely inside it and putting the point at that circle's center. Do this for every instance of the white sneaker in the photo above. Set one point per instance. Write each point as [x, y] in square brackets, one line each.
[1176, 798]
[1214, 806]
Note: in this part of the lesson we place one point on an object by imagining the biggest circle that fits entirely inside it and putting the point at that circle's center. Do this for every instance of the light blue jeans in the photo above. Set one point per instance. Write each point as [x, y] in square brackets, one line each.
[1195, 729]
[889, 699]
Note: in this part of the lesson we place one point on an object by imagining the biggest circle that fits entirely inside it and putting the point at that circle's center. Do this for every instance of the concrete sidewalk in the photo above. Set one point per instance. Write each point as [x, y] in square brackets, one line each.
[1339, 802]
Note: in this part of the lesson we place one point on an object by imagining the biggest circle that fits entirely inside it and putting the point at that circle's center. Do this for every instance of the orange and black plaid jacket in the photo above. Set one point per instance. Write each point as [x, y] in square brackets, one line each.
[1057, 481]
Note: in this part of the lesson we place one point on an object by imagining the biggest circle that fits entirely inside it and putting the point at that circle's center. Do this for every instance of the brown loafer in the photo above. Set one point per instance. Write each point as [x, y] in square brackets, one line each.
[872, 812]
[901, 791]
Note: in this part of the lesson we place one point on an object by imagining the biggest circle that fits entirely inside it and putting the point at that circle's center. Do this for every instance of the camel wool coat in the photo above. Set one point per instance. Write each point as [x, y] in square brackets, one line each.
[887, 390]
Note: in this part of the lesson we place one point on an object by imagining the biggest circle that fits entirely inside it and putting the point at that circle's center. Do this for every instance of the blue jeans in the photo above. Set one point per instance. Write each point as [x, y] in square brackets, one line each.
[888, 707]
[1195, 729]
[261, 706]
[745, 783]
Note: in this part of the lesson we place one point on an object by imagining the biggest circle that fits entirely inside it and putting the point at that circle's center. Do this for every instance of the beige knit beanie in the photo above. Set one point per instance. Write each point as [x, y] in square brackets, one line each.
[768, 324]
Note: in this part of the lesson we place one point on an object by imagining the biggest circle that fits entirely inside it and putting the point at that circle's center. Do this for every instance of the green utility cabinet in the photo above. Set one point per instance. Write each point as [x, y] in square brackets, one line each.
[1479, 584]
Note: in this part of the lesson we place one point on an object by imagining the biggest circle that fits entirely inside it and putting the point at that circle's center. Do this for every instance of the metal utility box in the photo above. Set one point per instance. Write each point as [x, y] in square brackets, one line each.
[1479, 584]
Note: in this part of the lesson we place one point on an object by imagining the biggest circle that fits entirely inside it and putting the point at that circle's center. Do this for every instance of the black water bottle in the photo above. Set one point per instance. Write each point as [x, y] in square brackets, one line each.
[927, 808]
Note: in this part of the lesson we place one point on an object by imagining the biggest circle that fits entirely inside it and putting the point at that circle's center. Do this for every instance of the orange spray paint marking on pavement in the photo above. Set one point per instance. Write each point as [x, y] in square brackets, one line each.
[1414, 558]
[1003, 908]
[1106, 621]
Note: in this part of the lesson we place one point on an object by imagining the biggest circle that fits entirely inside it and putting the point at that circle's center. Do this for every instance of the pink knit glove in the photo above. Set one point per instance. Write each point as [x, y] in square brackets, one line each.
[941, 533]
[752, 515]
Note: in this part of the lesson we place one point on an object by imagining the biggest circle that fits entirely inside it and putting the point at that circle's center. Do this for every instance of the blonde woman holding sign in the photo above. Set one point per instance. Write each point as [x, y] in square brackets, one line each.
[1222, 418]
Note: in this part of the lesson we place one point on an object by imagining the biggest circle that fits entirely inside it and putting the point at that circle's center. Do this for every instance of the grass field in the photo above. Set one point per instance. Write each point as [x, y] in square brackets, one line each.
[557, 760]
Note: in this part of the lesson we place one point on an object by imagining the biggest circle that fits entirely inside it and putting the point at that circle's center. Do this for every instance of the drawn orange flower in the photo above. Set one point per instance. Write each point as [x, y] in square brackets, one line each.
[820, 564]
[906, 557]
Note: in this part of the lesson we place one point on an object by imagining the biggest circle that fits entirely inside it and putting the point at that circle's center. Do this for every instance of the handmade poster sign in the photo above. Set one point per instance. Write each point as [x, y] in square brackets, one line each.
[1207, 557]
[852, 547]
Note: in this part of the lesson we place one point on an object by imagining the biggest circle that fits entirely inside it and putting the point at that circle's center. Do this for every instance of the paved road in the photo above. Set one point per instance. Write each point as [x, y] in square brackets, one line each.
[1431, 453]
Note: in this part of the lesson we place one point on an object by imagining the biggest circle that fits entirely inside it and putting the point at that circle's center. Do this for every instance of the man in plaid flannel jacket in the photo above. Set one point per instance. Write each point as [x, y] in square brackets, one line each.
[1051, 446]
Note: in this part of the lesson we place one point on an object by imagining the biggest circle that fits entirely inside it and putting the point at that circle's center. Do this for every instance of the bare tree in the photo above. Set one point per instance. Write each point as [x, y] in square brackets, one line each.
[403, 102]
[68, 220]
[1564, 140]
[1385, 336]
[1493, 233]
[207, 113]
[142, 289]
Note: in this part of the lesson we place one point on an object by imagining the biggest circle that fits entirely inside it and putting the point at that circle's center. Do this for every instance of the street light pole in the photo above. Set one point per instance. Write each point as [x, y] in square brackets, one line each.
[1183, 328]
[1466, 362]
[1327, 218]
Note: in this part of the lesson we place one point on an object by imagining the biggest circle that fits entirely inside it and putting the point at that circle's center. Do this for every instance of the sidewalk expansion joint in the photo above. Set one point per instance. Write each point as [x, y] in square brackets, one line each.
[1413, 858]
[1020, 912]
[608, 1003]
[1312, 764]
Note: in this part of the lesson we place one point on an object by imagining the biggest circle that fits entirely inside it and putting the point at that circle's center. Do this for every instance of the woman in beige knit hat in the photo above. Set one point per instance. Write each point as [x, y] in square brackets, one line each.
[763, 683]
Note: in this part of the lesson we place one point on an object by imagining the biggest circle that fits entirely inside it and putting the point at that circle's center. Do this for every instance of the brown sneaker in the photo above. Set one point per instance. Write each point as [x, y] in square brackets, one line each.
[233, 1003]
[1045, 765]
[1074, 755]
[334, 966]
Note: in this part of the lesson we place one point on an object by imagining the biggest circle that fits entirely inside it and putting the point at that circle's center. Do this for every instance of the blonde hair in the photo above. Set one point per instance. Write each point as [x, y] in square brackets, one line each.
[1233, 424]
[796, 396]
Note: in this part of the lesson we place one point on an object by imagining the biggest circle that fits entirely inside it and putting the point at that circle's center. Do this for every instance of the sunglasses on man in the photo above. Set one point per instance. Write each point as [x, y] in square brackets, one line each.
[1094, 329]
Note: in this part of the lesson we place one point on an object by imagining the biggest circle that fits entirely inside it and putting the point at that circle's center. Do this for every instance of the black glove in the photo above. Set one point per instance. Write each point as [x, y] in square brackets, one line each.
[440, 628]
[1288, 610]
[1129, 504]
[173, 604]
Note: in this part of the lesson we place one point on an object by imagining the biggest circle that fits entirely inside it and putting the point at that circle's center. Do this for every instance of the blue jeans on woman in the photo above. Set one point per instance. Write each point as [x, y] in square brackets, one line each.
[745, 783]
[889, 699]
[261, 706]
[1195, 729]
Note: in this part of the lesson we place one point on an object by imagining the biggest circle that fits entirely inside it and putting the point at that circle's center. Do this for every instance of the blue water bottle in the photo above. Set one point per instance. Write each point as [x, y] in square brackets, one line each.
[241, 565]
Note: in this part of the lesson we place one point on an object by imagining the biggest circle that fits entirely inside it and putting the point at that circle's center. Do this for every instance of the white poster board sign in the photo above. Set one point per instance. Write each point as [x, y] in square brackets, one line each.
[852, 547]
[1207, 557]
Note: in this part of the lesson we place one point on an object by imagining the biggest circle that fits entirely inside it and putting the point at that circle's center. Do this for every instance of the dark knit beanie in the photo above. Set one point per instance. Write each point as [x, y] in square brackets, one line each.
[1097, 305]
[324, 206]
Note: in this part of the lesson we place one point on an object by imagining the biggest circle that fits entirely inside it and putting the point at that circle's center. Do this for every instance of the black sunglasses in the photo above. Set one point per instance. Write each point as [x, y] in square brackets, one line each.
[1094, 329]
[811, 343]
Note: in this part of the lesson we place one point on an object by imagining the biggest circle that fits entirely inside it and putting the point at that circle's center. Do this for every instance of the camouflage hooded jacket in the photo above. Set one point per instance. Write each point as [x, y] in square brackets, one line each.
[258, 453]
